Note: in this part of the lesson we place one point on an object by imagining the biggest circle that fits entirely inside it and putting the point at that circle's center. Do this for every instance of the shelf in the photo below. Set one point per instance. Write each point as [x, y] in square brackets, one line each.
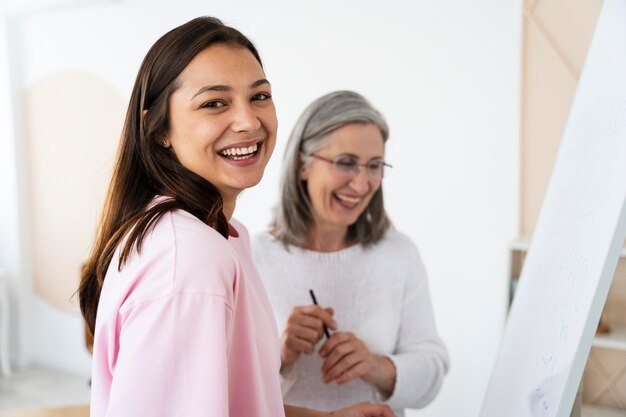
[616, 339]
[522, 244]
[595, 411]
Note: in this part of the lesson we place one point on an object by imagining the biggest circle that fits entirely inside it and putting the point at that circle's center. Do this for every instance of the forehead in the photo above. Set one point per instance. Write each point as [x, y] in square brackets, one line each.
[361, 139]
[221, 64]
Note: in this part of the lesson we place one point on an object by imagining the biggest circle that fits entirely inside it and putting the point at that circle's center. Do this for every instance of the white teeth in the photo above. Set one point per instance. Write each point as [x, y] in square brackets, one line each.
[349, 200]
[239, 151]
[242, 157]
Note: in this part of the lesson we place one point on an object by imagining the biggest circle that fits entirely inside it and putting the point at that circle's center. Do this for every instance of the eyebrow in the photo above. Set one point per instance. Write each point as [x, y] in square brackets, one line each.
[219, 87]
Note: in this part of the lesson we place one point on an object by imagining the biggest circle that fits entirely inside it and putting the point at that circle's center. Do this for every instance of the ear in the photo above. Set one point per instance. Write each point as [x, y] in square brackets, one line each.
[304, 173]
[164, 142]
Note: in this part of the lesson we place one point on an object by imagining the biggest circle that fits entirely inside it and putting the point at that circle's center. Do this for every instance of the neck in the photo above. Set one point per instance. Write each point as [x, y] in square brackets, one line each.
[229, 208]
[329, 239]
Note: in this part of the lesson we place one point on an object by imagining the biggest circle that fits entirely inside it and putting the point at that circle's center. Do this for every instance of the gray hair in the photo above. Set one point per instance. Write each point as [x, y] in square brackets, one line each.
[293, 215]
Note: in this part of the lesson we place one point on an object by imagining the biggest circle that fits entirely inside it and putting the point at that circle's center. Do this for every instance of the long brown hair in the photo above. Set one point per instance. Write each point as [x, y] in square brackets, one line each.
[144, 168]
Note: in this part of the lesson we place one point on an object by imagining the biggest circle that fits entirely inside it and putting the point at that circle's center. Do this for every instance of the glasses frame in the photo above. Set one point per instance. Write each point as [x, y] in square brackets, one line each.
[358, 165]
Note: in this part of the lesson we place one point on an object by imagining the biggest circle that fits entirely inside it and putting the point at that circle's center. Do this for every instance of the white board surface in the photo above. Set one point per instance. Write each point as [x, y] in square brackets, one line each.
[575, 246]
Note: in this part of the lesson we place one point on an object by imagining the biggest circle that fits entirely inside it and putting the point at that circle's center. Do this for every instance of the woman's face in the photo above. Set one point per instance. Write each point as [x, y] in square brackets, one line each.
[338, 198]
[222, 119]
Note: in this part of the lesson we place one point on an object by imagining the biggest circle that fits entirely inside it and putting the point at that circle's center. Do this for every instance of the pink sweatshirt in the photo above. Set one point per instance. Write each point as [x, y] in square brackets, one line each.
[186, 329]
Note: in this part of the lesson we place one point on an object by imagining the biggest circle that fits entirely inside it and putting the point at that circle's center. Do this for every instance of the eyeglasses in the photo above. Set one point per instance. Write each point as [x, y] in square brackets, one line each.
[349, 165]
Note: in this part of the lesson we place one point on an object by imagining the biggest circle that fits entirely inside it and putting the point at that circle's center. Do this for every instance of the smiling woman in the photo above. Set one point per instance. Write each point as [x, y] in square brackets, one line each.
[331, 233]
[169, 280]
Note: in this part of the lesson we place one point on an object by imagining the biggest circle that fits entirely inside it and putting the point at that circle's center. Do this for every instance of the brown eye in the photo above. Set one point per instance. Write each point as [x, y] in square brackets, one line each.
[261, 97]
[348, 163]
[214, 104]
[374, 165]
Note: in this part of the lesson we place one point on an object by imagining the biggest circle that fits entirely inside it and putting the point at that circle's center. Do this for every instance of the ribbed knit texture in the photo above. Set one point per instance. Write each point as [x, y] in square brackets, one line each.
[378, 293]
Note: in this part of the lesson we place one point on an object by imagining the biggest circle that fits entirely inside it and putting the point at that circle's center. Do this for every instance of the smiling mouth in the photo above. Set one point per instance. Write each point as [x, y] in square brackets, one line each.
[346, 200]
[241, 153]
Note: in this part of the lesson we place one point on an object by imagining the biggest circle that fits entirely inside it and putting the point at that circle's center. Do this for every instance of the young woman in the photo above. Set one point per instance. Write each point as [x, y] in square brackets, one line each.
[182, 323]
[331, 234]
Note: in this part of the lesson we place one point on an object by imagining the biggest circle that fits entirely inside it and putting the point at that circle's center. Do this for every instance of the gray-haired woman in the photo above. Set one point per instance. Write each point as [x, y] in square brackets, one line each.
[331, 234]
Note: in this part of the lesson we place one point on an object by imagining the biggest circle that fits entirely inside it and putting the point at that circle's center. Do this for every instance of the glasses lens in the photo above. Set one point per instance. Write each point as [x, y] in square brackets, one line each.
[347, 166]
[375, 169]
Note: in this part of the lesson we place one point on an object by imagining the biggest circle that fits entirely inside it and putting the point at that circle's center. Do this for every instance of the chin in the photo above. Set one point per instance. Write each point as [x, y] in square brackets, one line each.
[345, 222]
[248, 182]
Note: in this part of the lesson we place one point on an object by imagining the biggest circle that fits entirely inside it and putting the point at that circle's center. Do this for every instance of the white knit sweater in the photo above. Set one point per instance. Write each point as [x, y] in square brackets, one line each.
[378, 293]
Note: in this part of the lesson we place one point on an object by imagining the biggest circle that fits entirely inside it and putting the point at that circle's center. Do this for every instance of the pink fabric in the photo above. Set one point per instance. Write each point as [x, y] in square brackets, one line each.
[186, 329]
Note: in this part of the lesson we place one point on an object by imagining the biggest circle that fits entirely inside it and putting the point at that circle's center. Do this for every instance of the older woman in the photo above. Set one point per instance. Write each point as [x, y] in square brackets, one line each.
[330, 234]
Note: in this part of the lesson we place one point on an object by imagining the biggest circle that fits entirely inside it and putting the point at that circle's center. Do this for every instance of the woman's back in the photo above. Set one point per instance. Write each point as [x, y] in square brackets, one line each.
[189, 302]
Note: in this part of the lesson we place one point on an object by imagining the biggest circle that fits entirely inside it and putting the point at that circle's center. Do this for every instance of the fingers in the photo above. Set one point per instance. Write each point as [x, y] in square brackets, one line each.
[347, 358]
[342, 358]
[307, 322]
[351, 366]
[336, 339]
[365, 410]
[356, 371]
[376, 410]
[304, 328]
[296, 344]
[296, 340]
[324, 316]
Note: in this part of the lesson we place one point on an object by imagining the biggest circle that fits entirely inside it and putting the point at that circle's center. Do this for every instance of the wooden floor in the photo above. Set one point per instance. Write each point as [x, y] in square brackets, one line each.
[71, 411]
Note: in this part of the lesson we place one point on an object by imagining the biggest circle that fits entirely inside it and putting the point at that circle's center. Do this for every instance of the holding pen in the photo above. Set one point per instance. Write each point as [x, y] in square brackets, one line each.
[330, 232]
[326, 332]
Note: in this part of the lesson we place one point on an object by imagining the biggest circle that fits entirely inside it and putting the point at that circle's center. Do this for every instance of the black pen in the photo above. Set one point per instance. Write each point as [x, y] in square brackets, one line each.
[315, 302]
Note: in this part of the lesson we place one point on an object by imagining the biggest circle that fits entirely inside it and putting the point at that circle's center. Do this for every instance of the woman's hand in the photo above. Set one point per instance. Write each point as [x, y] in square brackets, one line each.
[356, 410]
[347, 357]
[305, 327]
[364, 410]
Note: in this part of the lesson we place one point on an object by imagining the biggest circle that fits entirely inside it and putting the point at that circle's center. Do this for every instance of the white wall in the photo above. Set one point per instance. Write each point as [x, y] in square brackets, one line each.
[446, 75]
[13, 243]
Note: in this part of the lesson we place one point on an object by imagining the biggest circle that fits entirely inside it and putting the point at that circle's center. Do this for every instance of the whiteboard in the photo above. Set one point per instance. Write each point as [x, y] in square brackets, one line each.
[575, 246]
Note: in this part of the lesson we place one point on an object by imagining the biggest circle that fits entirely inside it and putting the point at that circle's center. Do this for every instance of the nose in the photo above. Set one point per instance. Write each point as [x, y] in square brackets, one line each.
[245, 119]
[361, 182]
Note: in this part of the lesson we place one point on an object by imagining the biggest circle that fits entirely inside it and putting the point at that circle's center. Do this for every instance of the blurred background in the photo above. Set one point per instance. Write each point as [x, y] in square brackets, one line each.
[476, 95]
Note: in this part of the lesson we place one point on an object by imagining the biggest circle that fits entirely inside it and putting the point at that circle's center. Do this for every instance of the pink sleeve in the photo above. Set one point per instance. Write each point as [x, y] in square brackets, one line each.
[173, 358]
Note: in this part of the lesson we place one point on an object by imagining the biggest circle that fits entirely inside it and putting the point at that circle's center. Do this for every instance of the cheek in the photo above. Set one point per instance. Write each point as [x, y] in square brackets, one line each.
[272, 124]
[189, 152]
[206, 134]
[269, 117]
[375, 188]
[319, 193]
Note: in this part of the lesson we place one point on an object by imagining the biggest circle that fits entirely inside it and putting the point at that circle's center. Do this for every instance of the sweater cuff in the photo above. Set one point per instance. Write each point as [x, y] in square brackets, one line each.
[287, 379]
[417, 383]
